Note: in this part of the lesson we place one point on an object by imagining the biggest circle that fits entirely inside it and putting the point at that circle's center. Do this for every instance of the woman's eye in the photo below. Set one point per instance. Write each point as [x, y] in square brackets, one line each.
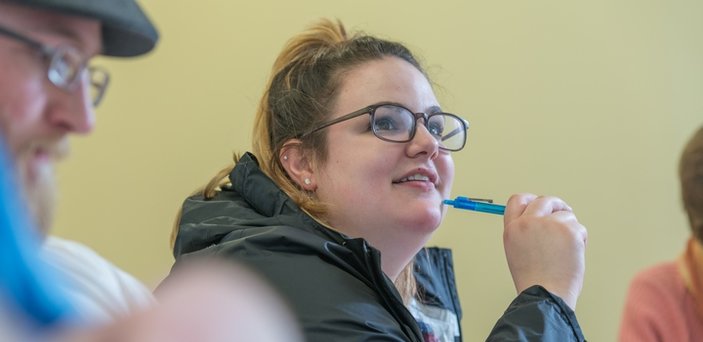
[435, 128]
[385, 124]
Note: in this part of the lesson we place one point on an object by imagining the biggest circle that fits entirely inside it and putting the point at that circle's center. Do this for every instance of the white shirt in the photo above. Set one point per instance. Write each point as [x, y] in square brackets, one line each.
[100, 291]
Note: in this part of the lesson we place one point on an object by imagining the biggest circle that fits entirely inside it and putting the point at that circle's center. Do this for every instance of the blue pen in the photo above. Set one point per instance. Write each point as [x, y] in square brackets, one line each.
[462, 202]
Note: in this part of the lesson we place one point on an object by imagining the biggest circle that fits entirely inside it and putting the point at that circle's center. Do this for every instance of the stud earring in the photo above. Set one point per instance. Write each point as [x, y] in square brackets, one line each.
[285, 157]
[307, 181]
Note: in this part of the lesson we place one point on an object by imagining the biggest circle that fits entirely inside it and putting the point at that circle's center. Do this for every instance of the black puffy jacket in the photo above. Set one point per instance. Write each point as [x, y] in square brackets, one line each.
[335, 284]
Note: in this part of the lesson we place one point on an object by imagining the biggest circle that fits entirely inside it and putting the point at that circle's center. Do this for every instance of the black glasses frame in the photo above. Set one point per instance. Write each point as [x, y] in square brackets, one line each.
[51, 53]
[371, 110]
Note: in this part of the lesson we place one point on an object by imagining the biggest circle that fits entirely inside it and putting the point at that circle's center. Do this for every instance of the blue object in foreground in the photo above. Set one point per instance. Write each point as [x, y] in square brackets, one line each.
[462, 202]
[28, 286]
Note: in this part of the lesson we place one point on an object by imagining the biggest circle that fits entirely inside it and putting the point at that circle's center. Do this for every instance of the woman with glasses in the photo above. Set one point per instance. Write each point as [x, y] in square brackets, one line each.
[351, 162]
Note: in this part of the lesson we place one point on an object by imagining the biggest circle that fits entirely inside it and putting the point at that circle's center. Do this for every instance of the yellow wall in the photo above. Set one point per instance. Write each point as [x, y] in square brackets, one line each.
[591, 101]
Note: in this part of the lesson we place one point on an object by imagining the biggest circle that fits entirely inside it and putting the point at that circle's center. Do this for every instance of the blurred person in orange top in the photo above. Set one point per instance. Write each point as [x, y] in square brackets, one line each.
[665, 301]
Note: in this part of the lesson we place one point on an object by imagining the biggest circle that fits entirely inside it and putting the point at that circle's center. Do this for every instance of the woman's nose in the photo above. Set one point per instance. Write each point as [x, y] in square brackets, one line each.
[423, 142]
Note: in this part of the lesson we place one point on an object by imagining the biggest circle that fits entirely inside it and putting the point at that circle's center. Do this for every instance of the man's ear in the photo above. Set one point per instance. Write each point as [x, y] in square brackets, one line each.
[298, 164]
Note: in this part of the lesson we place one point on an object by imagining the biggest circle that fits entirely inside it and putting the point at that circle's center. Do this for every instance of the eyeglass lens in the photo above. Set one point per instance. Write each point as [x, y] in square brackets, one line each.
[66, 67]
[395, 123]
[99, 80]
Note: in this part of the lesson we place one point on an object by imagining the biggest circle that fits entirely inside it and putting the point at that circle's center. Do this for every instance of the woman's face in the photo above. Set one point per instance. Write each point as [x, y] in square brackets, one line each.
[383, 191]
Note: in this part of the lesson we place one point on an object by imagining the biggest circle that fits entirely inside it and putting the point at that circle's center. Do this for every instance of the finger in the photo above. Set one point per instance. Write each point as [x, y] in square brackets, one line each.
[516, 206]
[565, 216]
[546, 205]
[570, 221]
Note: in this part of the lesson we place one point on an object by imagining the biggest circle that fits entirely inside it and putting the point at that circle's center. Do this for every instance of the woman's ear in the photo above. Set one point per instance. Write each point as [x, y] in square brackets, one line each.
[298, 164]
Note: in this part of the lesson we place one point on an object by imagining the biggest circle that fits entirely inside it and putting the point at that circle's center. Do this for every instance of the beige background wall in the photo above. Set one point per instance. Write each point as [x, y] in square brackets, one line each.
[590, 101]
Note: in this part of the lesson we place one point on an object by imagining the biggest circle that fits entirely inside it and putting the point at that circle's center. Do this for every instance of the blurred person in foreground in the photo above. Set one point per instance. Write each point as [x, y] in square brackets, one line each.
[48, 91]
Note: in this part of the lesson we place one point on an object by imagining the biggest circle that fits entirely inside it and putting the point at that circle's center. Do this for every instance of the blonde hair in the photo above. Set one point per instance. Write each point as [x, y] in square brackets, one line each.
[300, 93]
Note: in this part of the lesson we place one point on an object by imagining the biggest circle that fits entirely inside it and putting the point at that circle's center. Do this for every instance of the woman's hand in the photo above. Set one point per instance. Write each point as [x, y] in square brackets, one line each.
[545, 245]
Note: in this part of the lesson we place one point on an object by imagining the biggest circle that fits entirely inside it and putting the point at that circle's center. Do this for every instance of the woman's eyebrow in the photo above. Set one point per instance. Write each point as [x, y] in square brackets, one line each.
[428, 110]
[433, 109]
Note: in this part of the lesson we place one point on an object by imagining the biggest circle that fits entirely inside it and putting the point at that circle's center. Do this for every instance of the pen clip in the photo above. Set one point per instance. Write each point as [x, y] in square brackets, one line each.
[471, 199]
[484, 200]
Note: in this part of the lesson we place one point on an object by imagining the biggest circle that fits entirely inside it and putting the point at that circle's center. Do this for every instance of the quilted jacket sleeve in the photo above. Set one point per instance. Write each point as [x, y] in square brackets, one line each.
[537, 315]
